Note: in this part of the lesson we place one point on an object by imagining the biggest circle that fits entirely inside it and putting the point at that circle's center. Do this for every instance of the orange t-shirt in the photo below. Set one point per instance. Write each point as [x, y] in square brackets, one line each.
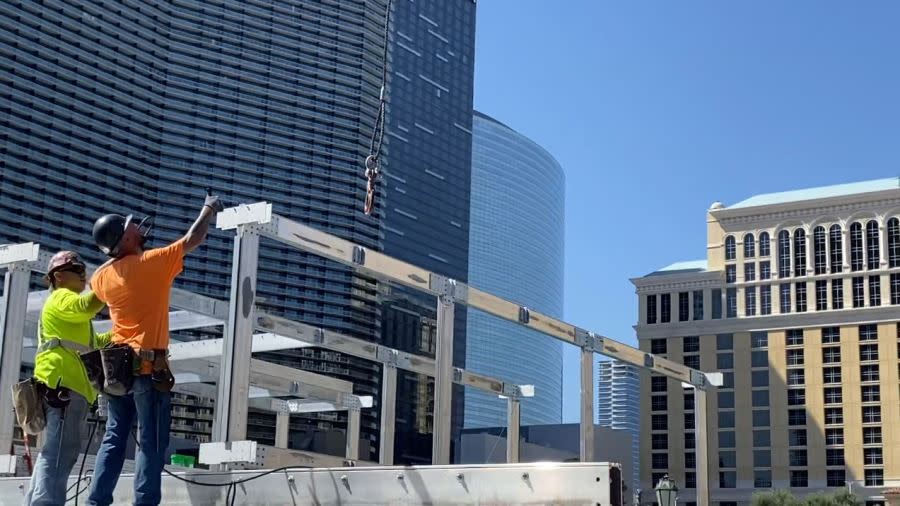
[136, 290]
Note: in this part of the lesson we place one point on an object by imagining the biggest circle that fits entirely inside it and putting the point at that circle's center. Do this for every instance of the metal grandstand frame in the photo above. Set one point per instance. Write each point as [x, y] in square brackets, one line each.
[242, 320]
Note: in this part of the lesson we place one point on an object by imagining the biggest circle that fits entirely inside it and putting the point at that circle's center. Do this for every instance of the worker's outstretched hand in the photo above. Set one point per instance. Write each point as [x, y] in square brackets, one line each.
[213, 202]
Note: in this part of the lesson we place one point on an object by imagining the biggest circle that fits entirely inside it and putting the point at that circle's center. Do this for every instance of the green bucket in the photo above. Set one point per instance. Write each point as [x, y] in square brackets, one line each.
[183, 460]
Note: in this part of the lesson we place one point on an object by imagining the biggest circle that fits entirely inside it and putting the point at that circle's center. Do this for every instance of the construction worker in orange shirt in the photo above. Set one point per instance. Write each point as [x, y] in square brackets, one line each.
[135, 284]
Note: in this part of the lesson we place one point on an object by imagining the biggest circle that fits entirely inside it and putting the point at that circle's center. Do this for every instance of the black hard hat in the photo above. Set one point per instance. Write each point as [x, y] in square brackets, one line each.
[108, 232]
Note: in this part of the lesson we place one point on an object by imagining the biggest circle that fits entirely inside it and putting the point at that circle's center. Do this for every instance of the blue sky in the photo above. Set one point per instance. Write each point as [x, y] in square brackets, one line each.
[657, 109]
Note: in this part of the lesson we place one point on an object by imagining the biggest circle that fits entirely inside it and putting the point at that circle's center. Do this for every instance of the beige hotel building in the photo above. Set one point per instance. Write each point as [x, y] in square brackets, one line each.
[797, 303]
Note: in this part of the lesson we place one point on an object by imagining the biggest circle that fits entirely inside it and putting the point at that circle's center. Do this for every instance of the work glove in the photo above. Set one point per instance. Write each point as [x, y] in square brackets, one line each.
[213, 202]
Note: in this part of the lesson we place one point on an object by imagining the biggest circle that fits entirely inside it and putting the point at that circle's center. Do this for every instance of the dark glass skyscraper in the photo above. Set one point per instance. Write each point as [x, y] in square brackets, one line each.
[426, 188]
[138, 106]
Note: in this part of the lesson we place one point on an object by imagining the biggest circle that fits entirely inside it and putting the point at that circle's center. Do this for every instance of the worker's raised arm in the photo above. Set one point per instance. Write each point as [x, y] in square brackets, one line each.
[72, 307]
[198, 231]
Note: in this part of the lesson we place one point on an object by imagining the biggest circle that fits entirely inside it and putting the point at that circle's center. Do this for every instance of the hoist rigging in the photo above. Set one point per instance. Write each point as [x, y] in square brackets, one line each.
[371, 164]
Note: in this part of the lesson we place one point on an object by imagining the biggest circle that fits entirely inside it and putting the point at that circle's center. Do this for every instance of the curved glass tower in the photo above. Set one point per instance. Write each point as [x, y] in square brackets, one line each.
[516, 244]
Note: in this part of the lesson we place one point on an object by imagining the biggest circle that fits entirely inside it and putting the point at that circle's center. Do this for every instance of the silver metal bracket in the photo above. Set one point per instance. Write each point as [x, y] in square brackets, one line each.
[518, 392]
[319, 336]
[233, 217]
[387, 356]
[351, 401]
[458, 375]
[587, 340]
[512, 391]
[698, 379]
[393, 358]
[448, 289]
[524, 314]
[359, 255]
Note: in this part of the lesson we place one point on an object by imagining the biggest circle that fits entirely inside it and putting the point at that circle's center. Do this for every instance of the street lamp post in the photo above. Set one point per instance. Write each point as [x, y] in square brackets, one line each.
[666, 492]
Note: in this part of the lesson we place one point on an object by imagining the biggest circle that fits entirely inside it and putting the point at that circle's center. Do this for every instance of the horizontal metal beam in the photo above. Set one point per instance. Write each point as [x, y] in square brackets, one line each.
[385, 267]
[201, 386]
[336, 341]
[194, 310]
[252, 455]
[294, 406]
[209, 348]
[277, 380]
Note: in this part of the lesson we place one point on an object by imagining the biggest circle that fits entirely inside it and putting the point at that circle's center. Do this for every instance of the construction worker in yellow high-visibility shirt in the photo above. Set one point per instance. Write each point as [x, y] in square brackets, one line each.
[64, 332]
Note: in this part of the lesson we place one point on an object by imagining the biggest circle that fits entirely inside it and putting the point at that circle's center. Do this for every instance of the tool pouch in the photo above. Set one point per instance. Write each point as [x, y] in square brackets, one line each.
[163, 379]
[28, 399]
[118, 369]
[57, 397]
[93, 365]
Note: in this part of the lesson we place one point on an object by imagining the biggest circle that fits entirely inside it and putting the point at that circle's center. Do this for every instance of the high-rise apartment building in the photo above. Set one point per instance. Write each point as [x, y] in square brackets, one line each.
[618, 407]
[518, 255]
[797, 303]
[136, 108]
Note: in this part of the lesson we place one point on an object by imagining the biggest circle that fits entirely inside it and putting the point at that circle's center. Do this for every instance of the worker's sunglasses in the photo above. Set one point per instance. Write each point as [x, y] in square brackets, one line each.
[77, 269]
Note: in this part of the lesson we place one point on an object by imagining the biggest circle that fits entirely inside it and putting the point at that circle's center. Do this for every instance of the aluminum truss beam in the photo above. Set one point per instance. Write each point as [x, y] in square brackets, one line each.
[194, 310]
[383, 266]
[277, 380]
[194, 372]
[252, 455]
[449, 291]
[336, 341]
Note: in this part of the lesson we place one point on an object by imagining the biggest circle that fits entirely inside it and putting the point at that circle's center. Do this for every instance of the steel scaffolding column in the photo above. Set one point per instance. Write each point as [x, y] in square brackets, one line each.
[513, 420]
[388, 414]
[353, 416]
[234, 373]
[16, 258]
[443, 378]
[282, 429]
[587, 405]
[701, 437]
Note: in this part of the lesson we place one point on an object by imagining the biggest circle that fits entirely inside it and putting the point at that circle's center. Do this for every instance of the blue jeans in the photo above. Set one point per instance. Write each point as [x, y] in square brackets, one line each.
[62, 444]
[152, 410]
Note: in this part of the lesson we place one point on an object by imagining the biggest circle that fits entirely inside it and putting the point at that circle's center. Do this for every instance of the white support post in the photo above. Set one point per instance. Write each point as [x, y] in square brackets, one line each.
[388, 415]
[443, 382]
[353, 416]
[587, 405]
[701, 438]
[513, 412]
[12, 326]
[282, 429]
[234, 372]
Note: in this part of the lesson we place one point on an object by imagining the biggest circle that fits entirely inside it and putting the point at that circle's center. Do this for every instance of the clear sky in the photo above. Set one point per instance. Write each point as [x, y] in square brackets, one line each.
[657, 109]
